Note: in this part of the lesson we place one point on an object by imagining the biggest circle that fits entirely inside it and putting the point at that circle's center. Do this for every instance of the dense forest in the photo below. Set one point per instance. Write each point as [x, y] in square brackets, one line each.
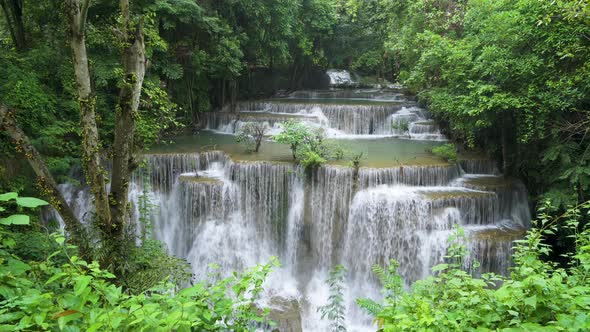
[87, 87]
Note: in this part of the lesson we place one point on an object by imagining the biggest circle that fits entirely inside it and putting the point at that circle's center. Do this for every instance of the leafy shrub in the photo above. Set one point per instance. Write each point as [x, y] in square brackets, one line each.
[355, 161]
[538, 296]
[447, 151]
[309, 147]
[335, 309]
[80, 296]
[309, 158]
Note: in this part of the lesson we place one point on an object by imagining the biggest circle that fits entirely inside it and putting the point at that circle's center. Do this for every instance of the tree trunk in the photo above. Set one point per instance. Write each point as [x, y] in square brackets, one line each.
[505, 142]
[222, 101]
[91, 162]
[233, 94]
[123, 162]
[13, 12]
[45, 181]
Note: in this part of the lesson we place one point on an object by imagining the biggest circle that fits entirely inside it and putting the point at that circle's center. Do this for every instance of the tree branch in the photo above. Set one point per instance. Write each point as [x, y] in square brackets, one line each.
[45, 182]
[83, 14]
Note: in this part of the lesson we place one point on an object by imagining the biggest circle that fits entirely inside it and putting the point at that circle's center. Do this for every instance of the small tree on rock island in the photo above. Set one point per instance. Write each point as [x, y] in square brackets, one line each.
[251, 135]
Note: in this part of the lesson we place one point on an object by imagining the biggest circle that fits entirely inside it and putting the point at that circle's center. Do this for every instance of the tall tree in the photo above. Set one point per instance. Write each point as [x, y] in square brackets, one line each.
[77, 11]
[134, 63]
[111, 209]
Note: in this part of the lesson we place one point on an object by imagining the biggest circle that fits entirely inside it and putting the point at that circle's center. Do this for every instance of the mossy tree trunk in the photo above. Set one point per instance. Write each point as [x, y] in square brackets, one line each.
[124, 163]
[77, 11]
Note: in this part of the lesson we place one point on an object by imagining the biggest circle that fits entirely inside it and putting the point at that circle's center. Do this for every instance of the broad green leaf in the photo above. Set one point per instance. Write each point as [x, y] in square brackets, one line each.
[30, 202]
[8, 196]
[16, 219]
[440, 267]
[81, 284]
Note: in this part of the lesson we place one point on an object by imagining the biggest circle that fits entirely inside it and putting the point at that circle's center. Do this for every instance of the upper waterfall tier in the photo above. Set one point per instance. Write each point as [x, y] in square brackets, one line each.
[340, 113]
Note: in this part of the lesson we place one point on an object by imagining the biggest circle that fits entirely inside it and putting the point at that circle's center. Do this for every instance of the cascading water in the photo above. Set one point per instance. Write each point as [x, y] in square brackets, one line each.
[360, 113]
[214, 208]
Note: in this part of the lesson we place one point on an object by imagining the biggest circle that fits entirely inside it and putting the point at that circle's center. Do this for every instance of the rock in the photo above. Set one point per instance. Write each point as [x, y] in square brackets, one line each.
[286, 313]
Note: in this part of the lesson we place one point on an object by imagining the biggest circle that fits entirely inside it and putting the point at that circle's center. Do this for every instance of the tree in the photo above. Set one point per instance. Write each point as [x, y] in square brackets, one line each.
[45, 181]
[111, 209]
[77, 11]
[13, 15]
[251, 135]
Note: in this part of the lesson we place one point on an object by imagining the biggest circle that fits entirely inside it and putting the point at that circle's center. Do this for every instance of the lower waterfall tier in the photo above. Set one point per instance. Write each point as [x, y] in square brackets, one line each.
[236, 214]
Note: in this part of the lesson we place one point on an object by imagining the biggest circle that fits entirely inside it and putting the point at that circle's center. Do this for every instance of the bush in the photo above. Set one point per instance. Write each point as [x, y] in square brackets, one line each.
[538, 296]
[447, 151]
[402, 125]
[308, 146]
[335, 309]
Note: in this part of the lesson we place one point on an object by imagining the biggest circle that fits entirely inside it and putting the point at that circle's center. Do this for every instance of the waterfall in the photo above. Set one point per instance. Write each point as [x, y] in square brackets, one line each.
[430, 175]
[235, 214]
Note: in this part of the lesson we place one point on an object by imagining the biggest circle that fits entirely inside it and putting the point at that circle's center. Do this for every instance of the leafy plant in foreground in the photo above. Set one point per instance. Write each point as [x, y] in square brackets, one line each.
[335, 309]
[80, 296]
[538, 295]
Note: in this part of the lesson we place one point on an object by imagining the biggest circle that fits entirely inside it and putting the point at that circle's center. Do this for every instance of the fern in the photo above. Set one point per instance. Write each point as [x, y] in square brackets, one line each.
[335, 309]
[371, 307]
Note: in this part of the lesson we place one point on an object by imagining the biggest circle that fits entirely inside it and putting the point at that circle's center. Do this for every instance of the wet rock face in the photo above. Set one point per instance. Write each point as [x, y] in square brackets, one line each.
[286, 314]
[340, 78]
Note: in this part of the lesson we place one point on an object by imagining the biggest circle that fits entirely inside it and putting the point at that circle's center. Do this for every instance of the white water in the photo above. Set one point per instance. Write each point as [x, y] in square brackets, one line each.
[337, 120]
[340, 77]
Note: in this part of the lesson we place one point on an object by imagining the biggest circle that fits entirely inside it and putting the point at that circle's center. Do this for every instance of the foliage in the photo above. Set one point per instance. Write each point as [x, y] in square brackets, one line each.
[80, 296]
[251, 135]
[510, 77]
[355, 161]
[446, 151]
[401, 125]
[335, 309]
[538, 295]
[308, 146]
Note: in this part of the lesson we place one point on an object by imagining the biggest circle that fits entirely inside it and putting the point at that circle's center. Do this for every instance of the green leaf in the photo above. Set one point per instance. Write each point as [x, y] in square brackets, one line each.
[16, 219]
[30, 202]
[8, 196]
[440, 267]
[81, 284]
[531, 301]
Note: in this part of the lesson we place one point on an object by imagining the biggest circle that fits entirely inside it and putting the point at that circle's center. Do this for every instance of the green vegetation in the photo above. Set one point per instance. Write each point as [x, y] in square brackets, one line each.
[447, 151]
[97, 83]
[60, 291]
[308, 146]
[538, 295]
[510, 77]
[335, 310]
[401, 125]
